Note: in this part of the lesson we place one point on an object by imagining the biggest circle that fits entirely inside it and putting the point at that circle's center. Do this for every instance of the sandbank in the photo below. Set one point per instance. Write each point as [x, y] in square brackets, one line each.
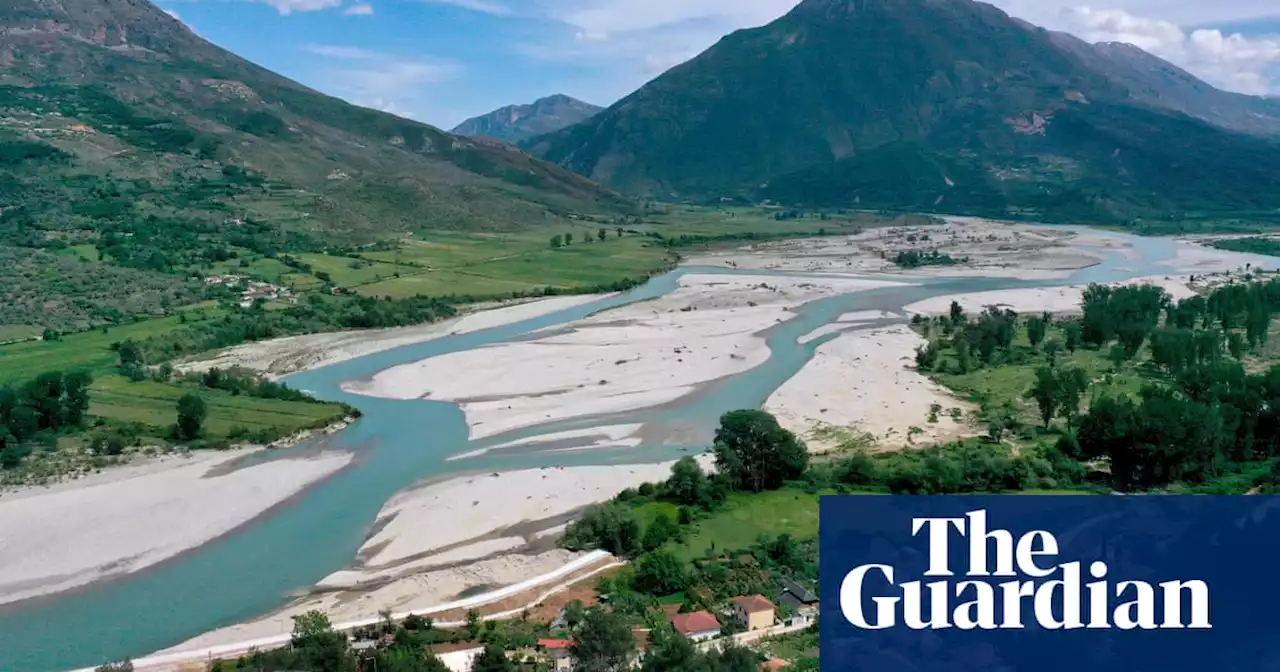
[280, 356]
[628, 358]
[412, 561]
[864, 381]
[122, 520]
[1058, 300]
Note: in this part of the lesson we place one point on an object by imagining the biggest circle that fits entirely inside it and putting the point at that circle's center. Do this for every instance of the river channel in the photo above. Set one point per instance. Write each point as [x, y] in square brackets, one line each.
[258, 567]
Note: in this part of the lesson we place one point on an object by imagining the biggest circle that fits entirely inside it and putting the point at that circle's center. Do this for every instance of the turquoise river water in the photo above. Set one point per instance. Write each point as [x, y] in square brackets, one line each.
[257, 567]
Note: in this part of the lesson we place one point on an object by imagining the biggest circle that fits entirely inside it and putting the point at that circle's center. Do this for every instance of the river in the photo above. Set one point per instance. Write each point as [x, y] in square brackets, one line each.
[258, 567]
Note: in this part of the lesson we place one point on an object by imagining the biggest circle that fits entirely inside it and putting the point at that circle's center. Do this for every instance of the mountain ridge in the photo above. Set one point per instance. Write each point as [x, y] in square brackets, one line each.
[516, 123]
[812, 93]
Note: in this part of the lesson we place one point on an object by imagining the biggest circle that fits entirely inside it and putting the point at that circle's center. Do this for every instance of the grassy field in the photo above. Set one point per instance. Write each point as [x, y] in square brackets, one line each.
[746, 516]
[155, 405]
[17, 332]
[84, 351]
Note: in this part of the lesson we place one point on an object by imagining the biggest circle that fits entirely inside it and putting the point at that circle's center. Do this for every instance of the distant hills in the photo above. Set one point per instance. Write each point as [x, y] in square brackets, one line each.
[517, 123]
[112, 111]
[947, 105]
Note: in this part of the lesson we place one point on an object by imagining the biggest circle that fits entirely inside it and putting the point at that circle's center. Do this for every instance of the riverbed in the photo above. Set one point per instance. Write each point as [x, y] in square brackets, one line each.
[429, 411]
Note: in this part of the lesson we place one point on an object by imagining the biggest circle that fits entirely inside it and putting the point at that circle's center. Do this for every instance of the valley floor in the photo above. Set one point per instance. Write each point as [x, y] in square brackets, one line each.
[447, 538]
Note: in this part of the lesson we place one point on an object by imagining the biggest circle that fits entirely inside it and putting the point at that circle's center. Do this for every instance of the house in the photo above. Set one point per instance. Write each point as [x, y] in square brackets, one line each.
[698, 626]
[799, 599]
[557, 651]
[753, 611]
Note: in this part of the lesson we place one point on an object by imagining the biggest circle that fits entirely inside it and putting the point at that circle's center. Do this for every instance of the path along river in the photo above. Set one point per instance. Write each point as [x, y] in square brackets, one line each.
[256, 568]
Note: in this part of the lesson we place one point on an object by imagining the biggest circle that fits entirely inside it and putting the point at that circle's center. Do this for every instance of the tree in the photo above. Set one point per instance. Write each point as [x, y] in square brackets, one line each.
[318, 646]
[1036, 328]
[1045, 393]
[1072, 384]
[50, 335]
[1051, 349]
[660, 573]
[610, 526]
[602, 234]
[191, 415]
[757, 454]
[670, 651]
[957, 312]
[405, 659]
[574, 613]
[1072, 332]
[121, 666]
[602, 643]
[687, 484]
[130, 354]
[492, 659]
[473, 624]
[619, 231]
[659, 531]
[556, 241]
[568, 239]
[76, 397]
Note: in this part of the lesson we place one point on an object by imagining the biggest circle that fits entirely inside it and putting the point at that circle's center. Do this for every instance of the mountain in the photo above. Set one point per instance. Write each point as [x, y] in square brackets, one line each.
[935, 104]
[115, 117]
[517, 123]
[1154, 81]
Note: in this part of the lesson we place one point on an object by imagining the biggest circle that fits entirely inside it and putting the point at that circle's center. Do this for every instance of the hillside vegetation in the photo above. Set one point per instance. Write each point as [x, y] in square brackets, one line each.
[935, 105]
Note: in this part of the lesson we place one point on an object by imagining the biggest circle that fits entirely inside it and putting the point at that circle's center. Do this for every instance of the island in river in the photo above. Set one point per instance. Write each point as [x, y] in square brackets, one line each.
[483, 436]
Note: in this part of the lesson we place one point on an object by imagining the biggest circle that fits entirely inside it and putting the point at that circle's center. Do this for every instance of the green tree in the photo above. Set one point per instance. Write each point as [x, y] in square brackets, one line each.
[492, 659]
[1045, 392]
[670, 651]
[1072, 384]
[659, 531]
[320, 648]
[130, 354]
[556, 241]
[473, 624]
[406, 659]
[957, 313]
[568, 239]
[602, 643]
[1036, 328]
[757, 454]
[687, 484]
[191, 415]
[601, 235]
[619, 231]
[50, 335]
[1072, 332]
[610, 526]
[574, 613]
[76, 397]
[660, 573]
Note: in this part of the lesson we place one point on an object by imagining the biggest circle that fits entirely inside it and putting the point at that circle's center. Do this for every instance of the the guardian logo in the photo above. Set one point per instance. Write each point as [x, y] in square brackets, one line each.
[1051, 594]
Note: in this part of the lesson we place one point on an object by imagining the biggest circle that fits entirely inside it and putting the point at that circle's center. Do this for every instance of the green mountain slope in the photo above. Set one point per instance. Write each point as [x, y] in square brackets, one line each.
[946, 104]
[517, 123]
[117, 97]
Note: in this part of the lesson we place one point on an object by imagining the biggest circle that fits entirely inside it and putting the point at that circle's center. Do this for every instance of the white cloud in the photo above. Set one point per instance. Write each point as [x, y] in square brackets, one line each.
[340, 51]
[359, 9]
[1233, 62]
[396, 84]
[482, 6]
[287, 7]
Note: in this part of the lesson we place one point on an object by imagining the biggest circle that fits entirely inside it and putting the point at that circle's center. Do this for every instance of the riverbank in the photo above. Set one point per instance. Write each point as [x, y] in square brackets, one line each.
[443, 541]
[281, 356]
[1064, 300]
[122, 520]
[634, 357]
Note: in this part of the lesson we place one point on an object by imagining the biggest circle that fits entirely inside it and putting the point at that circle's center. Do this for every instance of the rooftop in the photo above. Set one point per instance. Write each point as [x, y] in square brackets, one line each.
[754, 603]
[695, 622]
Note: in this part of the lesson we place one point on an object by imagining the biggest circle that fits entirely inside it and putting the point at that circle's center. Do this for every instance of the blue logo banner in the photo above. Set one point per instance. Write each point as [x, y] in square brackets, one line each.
[1050, 583]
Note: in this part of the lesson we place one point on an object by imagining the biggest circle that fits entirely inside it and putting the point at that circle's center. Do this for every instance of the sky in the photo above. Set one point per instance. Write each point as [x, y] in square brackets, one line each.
[442, 61]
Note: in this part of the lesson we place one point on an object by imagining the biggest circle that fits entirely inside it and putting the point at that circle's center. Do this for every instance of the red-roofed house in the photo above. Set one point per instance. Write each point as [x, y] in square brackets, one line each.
[698, 625]
[753, 611]
[558, 651]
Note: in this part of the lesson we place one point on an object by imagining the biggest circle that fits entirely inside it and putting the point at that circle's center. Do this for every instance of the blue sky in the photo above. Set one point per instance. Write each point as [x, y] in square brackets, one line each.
[441, 61]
